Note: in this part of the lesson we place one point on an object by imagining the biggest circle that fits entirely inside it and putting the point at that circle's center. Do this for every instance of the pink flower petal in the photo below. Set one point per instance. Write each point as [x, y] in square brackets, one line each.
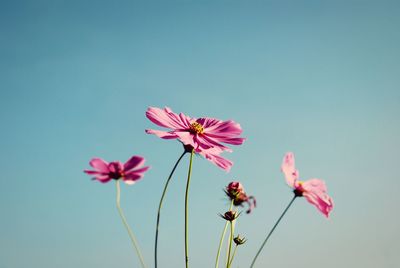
[102, 179]
[115, 167]
[165, 118]
[226, 139]
[217, 160]
[186, 138]
[99, 164]
[202, 143]
[93, 172]
[137, 171]
[162, 134]
[208, 123]
[225, 128]
[315, 193]
[129, 182]
[207, 142]
[133, 162]
[132, 178]
[289, 170]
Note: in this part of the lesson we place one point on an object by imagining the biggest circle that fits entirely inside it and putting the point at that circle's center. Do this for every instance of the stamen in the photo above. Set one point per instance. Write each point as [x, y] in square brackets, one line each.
[196, 128]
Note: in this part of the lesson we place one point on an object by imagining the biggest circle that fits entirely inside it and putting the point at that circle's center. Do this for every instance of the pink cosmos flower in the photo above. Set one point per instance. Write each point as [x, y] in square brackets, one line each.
[130, 172]
[205, 135]
[314, 190]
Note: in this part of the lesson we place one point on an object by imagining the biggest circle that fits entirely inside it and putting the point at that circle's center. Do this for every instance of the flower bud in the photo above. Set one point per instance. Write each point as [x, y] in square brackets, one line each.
[230, 215]
[234, 189]
[236, 193]
[239, 240]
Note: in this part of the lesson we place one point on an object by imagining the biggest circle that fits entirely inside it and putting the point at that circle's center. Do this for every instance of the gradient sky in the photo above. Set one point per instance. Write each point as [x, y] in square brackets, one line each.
[319, 78]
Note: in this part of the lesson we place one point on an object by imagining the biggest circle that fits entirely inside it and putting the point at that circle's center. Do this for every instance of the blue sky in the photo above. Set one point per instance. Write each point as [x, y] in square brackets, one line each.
[319, 78]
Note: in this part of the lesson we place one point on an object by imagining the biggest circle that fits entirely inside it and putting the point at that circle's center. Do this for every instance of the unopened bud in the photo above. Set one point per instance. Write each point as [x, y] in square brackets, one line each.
[239, 240]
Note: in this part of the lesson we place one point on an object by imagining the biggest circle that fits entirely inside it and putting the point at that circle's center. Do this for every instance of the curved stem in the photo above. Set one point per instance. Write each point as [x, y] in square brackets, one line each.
[160, 206]
[131, 235]
[230, 246]
[272, 230]
[233, 255]
[186, 210]
[222, 239]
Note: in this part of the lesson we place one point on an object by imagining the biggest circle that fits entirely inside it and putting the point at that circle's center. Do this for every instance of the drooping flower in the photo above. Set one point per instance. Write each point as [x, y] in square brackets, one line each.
[130, 172]
[237, 194]
[314, 190]
[205, 135]
[234, 189]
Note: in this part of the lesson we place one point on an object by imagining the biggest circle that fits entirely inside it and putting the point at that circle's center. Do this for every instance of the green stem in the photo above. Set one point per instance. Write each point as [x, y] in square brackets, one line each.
[186, 210]
[131, 235]
[230, 246]
[160, 206]
[222, 239]
[272, 230]
[233, 255]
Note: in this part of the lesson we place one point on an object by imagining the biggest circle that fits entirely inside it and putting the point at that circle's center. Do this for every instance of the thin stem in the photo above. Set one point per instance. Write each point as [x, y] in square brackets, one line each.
[233, 255]
[230, 246]
[222, 239]
[186, 210]
[160, 206]
[272, 230]
[131, 235]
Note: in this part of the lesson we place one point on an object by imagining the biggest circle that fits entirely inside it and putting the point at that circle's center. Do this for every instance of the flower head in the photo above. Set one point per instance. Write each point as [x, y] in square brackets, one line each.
[314, 190]
[239, 240]
[236, 193]
[230, 215]
[234, 189]
[130, 172]
[203, 135]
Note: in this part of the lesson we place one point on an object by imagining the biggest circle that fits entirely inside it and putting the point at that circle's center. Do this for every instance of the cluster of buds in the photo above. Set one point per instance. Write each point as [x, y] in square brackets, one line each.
[236, 193]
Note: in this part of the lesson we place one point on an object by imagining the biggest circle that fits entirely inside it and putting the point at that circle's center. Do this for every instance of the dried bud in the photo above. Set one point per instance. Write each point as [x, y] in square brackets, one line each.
[230, 215]
[239, 240]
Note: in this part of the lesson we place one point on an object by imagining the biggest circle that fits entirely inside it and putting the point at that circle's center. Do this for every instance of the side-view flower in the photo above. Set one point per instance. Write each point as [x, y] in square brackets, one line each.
[314, 190]
[129, 172]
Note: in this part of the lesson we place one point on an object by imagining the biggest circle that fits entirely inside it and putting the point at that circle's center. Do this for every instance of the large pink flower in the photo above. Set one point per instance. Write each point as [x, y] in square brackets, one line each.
[130, 172]
[314, 190]
[205, 135]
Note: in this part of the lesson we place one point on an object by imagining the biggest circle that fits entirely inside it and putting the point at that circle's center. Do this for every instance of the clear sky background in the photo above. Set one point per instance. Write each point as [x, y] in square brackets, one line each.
[319, 78]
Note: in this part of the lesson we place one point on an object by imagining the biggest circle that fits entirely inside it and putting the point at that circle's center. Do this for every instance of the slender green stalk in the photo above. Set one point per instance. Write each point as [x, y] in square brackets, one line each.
[186, 210]
[272, 230]
[222, 239]
[230, 246]
[160, 206]
[131, 235]
[233, 255]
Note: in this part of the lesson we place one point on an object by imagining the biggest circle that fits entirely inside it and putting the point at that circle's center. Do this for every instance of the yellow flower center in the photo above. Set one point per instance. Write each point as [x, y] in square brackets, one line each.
[196, 128]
